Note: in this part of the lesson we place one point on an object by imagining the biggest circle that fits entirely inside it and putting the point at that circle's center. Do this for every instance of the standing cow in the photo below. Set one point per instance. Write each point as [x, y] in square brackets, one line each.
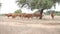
[11, 15]
[52, 14]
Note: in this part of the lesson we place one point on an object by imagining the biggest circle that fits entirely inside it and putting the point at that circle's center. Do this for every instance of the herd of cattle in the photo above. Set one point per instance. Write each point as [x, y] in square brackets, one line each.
[23, 15]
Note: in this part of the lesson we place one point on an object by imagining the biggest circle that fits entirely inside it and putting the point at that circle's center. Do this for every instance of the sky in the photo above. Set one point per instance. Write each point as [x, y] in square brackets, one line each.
[9, 6]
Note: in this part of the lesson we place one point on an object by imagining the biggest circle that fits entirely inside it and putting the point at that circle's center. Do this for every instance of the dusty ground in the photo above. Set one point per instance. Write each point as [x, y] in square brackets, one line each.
[29, 26]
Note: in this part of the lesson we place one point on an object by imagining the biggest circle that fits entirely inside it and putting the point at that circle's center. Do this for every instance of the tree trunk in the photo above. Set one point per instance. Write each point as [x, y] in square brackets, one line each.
[41, 12]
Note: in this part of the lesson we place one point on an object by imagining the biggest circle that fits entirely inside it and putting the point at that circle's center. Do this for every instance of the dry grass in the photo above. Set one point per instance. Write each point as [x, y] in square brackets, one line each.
[29, 26]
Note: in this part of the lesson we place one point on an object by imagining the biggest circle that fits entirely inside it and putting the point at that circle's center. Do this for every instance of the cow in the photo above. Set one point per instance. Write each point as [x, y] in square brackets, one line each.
[8, 15]
[52, 14]
[27, 15]
[14, 15]
[11, 15]
[36, 15]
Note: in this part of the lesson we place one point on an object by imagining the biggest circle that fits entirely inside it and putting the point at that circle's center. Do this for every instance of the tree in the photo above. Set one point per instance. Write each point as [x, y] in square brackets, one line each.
[56, 1]
[18, 11]
[36, 4]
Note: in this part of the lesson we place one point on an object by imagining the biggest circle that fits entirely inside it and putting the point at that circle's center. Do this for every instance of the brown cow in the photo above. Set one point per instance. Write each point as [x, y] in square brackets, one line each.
[8, 15]
[11, 15]
[26, 15]
[21, 15]
[52, 14]
[36, 15]
[14, 15]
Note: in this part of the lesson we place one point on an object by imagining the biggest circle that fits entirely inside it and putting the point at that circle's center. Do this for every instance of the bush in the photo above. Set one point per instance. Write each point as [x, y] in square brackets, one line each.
[18, 11]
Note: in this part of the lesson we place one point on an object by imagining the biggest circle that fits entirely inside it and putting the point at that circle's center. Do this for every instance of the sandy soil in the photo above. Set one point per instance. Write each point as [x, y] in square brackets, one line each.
[29, 26]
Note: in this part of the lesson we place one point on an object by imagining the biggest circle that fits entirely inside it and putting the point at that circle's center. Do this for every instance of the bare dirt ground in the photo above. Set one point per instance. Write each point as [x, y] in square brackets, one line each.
[30, 26]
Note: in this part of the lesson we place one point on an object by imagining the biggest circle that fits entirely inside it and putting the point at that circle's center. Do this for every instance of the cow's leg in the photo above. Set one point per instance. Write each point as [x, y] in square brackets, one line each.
[52, 16]
[8, 16]
[13, 17]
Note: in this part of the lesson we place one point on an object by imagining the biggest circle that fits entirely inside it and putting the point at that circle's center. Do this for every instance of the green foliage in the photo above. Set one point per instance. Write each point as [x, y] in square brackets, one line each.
[2, 15]
[21, 3]
[49, 12]
[36, 4]
[42, 4]
[0, 5]
[18, 11]
[57, 1]
[57, 13]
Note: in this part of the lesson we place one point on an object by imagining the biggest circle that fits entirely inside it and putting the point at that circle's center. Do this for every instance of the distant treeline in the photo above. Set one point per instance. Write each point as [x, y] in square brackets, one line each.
[2, 14]
[47, 12]
[56, 13]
